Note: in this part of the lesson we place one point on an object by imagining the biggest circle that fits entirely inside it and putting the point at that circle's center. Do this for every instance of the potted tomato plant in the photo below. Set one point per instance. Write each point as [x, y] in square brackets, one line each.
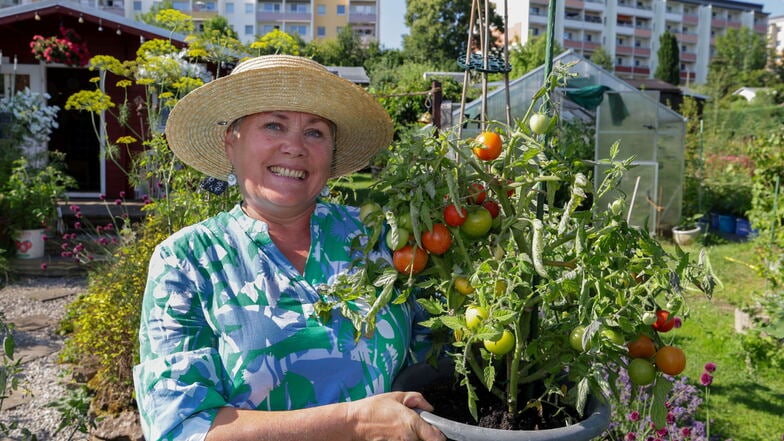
[533, 299]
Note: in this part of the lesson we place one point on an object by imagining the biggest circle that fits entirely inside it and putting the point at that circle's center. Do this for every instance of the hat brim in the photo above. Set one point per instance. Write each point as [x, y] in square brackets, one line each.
[196, 127]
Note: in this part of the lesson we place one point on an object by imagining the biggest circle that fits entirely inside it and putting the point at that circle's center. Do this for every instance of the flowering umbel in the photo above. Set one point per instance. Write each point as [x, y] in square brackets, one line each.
[68, 49]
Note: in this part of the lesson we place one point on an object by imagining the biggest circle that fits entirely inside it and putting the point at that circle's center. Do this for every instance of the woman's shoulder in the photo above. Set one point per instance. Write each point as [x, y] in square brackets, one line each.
[206, 230]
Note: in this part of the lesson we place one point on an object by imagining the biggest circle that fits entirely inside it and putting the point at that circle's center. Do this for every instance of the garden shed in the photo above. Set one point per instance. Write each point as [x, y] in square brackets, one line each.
[650, 132]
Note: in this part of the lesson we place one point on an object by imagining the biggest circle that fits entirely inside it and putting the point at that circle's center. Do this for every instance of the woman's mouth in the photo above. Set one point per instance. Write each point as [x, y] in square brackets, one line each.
[287, 172]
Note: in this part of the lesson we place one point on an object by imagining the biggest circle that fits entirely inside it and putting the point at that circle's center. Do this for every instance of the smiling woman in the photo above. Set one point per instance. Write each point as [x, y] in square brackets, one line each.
[232, 345]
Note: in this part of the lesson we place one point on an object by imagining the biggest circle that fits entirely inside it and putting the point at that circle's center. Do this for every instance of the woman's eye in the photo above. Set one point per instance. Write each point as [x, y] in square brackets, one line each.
[315, 133]
[272, 126]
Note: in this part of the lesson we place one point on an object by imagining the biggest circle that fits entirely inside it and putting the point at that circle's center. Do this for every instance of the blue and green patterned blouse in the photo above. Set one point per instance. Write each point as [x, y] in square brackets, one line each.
[228, 321]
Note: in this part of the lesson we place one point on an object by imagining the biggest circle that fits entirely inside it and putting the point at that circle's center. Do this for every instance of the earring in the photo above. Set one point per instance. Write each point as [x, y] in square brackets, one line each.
[231, 178]
[324, 191]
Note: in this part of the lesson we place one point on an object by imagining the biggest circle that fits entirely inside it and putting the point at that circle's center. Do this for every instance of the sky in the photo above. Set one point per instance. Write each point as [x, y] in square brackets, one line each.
[392, 11]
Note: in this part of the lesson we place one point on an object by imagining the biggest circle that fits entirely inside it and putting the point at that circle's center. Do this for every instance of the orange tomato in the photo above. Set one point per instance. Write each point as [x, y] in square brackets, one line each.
[641, 347]
[409, 259]
[671, 360]
[489, 147]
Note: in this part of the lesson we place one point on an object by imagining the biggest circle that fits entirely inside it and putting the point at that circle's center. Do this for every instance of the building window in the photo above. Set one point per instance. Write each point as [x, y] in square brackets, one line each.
[588, 37]
[137, 5]
[182, 6]
[339, 29]
[250, 8]
[267, 28]
[248, 29]
[535, 31]
[321, 31]
[301, 30]
[321, 9]
[619, 62]
[297, 8]
[229, 8]
[341, 9]
[567, 35]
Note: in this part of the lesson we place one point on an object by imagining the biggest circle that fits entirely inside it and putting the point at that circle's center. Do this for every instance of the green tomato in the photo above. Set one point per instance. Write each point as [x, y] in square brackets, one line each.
[539, 123]
[649, 318]
[641, 371]
[474, 316]
[477, 223]
[613, 336]
[367, 209]
[576, 339]
[402, 239]
[404, 221]
[501, 346]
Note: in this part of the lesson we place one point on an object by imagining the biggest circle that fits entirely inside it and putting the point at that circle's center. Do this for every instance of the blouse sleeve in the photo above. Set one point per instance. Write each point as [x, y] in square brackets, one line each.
[178, 379]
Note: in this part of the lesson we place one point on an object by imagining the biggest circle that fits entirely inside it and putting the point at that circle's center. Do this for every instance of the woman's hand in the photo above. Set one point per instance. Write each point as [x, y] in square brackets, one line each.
[390, 416]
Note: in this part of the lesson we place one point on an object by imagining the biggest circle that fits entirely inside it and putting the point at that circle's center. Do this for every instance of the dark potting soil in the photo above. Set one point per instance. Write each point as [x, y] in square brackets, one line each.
[451, 402]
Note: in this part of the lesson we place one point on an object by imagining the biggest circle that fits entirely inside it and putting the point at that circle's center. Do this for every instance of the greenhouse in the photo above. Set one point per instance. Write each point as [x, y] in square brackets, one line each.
[651, 133]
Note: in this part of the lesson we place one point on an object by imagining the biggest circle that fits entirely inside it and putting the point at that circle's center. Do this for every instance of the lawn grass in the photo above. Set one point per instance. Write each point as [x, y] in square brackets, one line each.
[746, 402]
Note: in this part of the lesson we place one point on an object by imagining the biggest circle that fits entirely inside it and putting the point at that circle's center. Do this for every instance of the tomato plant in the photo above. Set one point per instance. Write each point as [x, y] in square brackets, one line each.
[454, 218]
[438, 239]
[489, 147]
[663, 323]
[410, 259]
[368, 208]
[641, 371]
[503, 345]
[539, 123]
[476, 193]
[492, 206]
[477, 223]
[576, 339]
[614, 336]
[641, 347]
[671, 360]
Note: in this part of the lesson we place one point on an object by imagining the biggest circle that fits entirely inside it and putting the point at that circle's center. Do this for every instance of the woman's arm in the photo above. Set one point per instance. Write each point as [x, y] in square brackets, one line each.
[387, 416]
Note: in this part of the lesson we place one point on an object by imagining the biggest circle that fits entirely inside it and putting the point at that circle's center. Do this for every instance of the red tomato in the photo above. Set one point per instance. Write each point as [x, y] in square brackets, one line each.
[493, 207]
[641, 347]
[452, 217]
[437, 240]
[489, 147]
[671, 360]
[477, 193]
[663, 321]
[409, 259]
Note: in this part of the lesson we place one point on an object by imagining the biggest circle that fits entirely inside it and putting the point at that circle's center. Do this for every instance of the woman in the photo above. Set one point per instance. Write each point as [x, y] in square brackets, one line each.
[231, 347]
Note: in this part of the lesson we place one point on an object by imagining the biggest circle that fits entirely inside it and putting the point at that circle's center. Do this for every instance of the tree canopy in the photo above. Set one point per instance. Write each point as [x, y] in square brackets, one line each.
[527, 57]
[740, 59]
[669, 67]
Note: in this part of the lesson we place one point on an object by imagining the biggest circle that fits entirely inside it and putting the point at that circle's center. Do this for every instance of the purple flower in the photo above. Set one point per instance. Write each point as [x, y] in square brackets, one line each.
[634, 416]
[631, 436]
[79, 215]
[74, 208]
[677, 322]
[122, 194]
[118, 201]
[44, 266]
[77, 225]
[102, 197]
[686, 431]
[706, 379]
[44, 237]
[710, 367]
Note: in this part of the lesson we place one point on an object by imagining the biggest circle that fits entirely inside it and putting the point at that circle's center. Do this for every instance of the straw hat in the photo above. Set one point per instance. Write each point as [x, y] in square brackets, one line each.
[197, 125]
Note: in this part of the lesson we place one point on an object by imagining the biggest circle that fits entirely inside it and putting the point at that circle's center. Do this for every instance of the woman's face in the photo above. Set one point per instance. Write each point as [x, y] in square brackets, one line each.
[282, 161]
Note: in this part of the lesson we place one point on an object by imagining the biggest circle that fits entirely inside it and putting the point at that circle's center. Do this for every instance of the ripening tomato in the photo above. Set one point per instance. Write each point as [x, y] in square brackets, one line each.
[410, 259]
[489, 146]
[576, 339]
[539, 123]
[463, 286]
[641, 371]
[367, 209]
[503, 345]
[664, 322]
[454, 218]
[474, 316]
[613, 335]
[671, 360]
[492, 206]
[477, 224]
[641, 347]
[438, 240]
[476, 193]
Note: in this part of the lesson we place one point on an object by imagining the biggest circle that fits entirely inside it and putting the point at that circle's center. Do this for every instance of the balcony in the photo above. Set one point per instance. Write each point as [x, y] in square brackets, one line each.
[718, 22]
[624, 50]
[691, 19]
[642, 32]
[283, 16]
[688, 57]
[359, 18]
[686, 37]
[577, 4]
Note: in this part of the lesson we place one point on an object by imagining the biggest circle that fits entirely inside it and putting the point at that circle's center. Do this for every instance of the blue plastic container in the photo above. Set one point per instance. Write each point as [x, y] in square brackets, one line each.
[742, 227]
[714, 221]
[727, 223]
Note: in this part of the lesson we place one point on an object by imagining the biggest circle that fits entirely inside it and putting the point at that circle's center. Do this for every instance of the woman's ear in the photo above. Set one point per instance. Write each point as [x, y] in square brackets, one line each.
[228, 143]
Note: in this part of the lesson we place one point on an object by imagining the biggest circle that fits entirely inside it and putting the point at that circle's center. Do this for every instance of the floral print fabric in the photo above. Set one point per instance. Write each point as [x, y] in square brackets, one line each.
[228, 321]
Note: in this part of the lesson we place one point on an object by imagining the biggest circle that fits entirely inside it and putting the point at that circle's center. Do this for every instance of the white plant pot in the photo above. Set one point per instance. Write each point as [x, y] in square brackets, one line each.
[30, 244]
[685, 237]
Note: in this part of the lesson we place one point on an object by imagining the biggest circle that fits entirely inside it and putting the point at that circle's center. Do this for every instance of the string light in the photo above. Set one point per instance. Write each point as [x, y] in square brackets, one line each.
[119, 32]
[100, 25]
[141, 39]
[37, 17]
[81, 19]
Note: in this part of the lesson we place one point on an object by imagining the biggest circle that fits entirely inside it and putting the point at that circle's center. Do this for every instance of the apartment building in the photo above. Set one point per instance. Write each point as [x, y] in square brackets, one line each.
[310, 19]
[776, 35]
[629, 30]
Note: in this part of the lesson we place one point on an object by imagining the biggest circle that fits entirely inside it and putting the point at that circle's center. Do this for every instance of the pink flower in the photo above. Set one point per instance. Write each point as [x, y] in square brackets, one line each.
[118, 201]
[710, 367]
[631, 436]
[634, 416]
[122, 194]
[677, 322]
[44, 266]
[706, 379]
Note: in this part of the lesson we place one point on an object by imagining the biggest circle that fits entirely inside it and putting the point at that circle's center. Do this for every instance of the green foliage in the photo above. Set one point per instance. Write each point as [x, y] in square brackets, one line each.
[10, 369]
[438, 30]
[527, 57]
[276, 42]
[347, 49]
[74, 410]
[669, 68]
[740, 59]
[603, 59]
[767, 210]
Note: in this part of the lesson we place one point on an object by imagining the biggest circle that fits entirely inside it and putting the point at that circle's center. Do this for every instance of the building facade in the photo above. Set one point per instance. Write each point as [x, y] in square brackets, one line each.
[629, 30]
[776, 36]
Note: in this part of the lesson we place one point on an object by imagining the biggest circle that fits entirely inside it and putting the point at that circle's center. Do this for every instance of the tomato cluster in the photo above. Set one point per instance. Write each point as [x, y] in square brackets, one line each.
[647, 357]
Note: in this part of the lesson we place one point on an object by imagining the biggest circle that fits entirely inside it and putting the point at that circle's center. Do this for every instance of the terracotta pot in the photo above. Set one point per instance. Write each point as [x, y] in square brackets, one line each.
[416, 377]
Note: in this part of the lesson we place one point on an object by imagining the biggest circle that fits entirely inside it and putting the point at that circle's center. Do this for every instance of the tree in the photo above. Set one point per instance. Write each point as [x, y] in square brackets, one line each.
[602, 59]
[276, 42]
[740, 60]
[347, 49]
[669, 68]
[527, 57]
[438, 30]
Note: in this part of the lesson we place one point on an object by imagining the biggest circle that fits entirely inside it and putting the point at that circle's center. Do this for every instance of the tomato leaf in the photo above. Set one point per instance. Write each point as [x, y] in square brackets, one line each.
[661, 390]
